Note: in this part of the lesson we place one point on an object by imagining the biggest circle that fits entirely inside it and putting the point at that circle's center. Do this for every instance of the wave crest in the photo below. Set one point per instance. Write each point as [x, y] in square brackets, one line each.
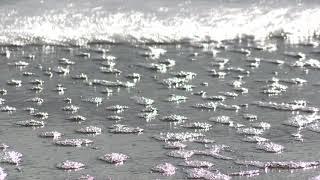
[96, 25]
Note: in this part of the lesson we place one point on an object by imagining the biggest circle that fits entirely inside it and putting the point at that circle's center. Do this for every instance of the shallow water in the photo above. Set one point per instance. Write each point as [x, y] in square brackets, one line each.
[40, 155]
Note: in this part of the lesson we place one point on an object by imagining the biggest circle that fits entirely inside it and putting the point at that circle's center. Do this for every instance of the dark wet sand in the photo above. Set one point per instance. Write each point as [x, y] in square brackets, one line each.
[40, 155]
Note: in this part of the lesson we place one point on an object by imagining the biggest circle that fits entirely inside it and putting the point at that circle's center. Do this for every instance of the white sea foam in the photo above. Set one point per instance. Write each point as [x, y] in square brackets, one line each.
[74, 22]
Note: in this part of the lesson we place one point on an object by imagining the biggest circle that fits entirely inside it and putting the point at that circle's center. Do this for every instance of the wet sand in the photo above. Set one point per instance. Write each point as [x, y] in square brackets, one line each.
[41, 155]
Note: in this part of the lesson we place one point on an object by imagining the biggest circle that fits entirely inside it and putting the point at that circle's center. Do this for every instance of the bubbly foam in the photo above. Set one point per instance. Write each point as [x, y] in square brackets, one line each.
[76, 24]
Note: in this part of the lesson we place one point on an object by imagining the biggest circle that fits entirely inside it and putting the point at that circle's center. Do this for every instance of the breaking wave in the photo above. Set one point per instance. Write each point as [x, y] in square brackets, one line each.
[78, 23]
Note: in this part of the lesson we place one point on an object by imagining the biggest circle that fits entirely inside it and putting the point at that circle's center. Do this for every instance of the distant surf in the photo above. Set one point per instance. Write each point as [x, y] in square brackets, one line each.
[80, 22]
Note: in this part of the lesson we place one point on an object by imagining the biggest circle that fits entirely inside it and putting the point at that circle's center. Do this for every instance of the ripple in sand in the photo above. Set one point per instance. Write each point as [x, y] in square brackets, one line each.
[3, 91]
[5, 53]
[142, 100]
[298, 105]
[200, 173]
[114, 158]
[67, 100]
[50, 134]
[182, 136]
[214, 98]
[229, 107]
[48, 73]
[240, 51]
[222, 120]
[110, 70]
[275, 88]
[248, 173]
[280, 164]
[108, 63]
[238, 70]
[181, 153]
[37, 82]
[30, 109]
[107, 91]
[297, 55]
[11, 157]
[41, 115]
[261, 125]
[203, 140]
[60, 89]
[81, 76]
[77, 118]
[200, 93]
[209, 105]
[186, 87]
[3, 174]
[250, 117]
[155, 67]
[89, 130]
[174, 118]
[37, 100]
[148, 116]
[117, 108]
[315, 178]
[124, 129]
[168, 62]
[273, 61]
[302, 120]
[14, 82]
[86, 177]
[154, 53]
[213, 152]
[165, 169]
[71, 108]
[150, 109]
[297, 81]
[70, 165]
[30, 123]
[254, 139]
[2, 101]
[73, 142]
[270, 147]
[185, 75]
[65, 61]
[196, 164]
[61, 70]
[36, 88]
[109, 58]
[174, 145]
[176, 98]
[94, 100]
[310, 63]
[315, 127]
[114, 118]
[134, 76]
[174, 82]
[219, 74]
[19, 64]
[198, 125]
[30, 56]
[112, 83]
[3, 146]
[219, 62]
[249, 131]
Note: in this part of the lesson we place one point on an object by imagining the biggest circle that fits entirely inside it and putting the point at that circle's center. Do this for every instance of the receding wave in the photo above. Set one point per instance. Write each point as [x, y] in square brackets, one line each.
[80, 26]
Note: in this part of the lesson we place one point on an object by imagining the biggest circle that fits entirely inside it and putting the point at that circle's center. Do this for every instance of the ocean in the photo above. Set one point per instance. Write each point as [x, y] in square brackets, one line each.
[105, 89]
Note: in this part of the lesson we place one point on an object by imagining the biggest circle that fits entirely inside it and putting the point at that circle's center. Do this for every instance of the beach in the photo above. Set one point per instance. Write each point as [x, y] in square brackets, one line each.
[166, 82]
